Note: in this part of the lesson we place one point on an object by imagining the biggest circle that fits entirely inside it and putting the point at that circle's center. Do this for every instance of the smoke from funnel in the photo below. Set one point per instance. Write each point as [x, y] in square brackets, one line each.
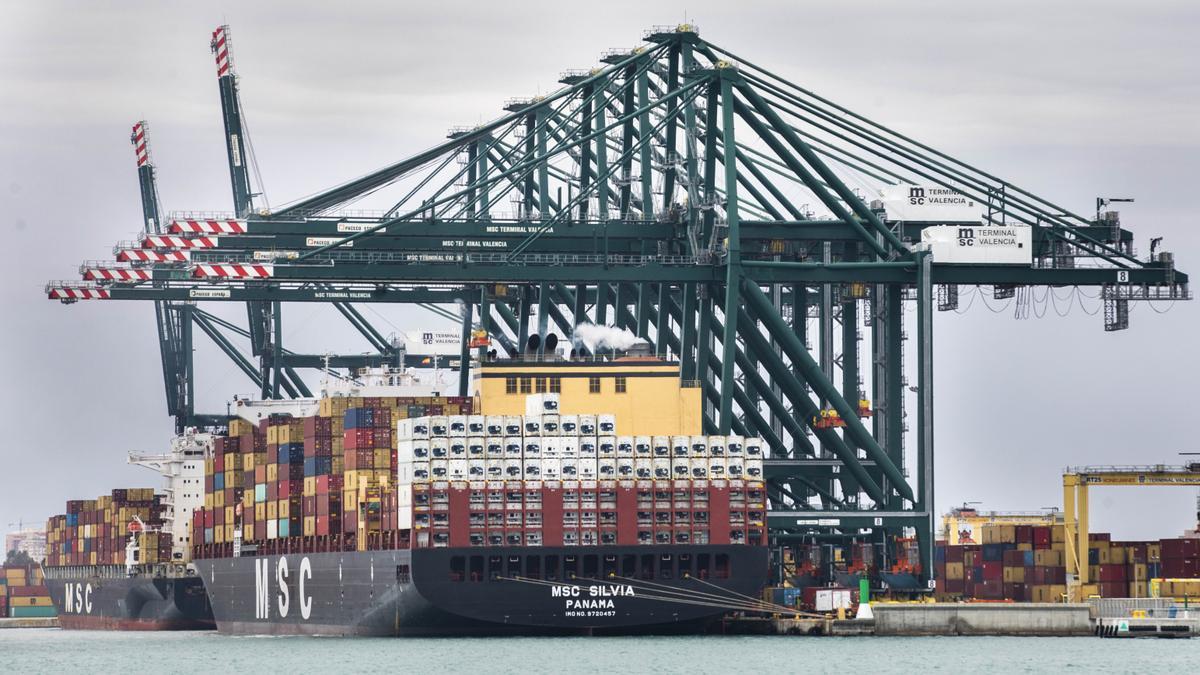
[600, 338]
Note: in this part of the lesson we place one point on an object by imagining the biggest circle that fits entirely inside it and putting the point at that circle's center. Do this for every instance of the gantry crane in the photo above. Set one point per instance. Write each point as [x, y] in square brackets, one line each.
[705, 204]
[1077, 480]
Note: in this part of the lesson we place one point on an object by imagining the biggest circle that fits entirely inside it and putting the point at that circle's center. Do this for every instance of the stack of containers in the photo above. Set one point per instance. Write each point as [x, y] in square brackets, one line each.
[547, 479]
[1180, 558]
[23, 593]
[1030, 563]
[319, 483]
[95, 531]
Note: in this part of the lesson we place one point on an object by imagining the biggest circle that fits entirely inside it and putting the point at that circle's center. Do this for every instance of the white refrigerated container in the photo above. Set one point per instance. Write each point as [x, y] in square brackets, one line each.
[422, 472]
[458, 469]
[716, 468]
[533, 425]
[624, 446]
[607, 468]
[735, 446]
[680, 468]
[439, 469]
[458, 425]
[608, 423]
[439, 426]
[513, 469]
[641, 446]
[587, 425]
[476, 425]
[643, 468]
[493, 425]
[699, 468]
[588, 468]
[569, 425]
[439, 448]
[513, 447]
[476, 448]
[681, 446]
[716, 446]
[606, 447]
[587, 447]
[512, 425]
[625, 468]
[551, 425]
[754, 468]
[735, 467]
[662, 468]
[699, 446]
[458, 447]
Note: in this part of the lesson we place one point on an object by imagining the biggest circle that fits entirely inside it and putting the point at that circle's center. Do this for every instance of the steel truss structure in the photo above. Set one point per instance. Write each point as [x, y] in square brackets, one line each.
[681, 192]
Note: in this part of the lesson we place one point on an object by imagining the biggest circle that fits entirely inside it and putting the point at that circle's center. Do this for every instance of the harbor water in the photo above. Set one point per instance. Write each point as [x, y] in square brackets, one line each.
[55, 651]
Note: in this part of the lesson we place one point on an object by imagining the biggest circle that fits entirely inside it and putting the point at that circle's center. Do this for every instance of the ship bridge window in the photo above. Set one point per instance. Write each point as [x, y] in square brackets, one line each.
[533, 567]
[540, 385]
[458, 568]
[526, 385]
[703, 560]
[494, 567]
[620, 385]
[476, 568]
[551, 568]
[593, 385]
[514, 567]
[570, 567]
[556, 385]
[510, 385]
[665, 567]
[722, 571]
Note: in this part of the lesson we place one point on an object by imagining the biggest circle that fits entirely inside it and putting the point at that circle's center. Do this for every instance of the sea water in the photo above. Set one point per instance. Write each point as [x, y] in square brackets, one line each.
[56, 651]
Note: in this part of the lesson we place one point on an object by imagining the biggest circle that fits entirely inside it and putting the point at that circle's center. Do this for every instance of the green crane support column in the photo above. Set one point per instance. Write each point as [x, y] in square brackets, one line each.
[485, 322]
[276, 349]
[185, 328]
[482, 173]
[464, 356]
[543, 167]
[687, 334]
[601, 166]
[543, 323]
[850, 388]
[800, 329]
[733, 261]
[645, 158]
[924, 500]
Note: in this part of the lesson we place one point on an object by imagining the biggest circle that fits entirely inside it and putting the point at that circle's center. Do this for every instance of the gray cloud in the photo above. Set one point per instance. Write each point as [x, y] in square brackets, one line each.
[1068, 99]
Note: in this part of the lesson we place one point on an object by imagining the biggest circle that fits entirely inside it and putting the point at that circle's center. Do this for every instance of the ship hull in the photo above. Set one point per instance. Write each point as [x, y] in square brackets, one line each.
[484, 591]
[139, 603]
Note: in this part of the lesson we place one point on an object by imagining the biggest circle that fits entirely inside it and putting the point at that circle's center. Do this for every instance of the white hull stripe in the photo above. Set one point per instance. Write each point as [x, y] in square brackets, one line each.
[208, 227]
[231, 271]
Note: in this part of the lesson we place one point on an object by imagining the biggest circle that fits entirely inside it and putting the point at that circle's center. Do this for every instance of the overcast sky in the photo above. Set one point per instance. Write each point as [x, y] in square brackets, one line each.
[1070, 100]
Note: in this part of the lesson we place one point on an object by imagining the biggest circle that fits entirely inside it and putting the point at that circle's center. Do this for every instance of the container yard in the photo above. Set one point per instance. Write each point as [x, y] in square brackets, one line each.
[687, 386]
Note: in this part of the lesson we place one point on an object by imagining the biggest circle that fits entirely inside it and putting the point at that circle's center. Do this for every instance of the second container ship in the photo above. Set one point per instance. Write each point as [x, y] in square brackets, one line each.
[565, 497]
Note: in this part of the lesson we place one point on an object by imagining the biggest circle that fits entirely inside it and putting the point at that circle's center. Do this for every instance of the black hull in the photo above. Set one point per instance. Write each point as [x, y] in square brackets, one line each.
[457, 592]
[130, 603]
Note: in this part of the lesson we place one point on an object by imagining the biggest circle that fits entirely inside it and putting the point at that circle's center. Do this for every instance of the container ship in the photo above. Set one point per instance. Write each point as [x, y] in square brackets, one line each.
[563, 497]
[120, 561]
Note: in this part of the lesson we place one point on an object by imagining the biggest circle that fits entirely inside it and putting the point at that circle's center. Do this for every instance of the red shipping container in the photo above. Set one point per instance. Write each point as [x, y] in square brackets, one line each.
[1113, 573]
[954, 554]
[993, 571]
[1024, 534]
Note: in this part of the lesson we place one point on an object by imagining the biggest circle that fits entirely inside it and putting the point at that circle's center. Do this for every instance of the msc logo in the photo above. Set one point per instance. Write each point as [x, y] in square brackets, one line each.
[77, 598]
[966, 236]
[427, 338]
[916, 196]
[283, 597]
